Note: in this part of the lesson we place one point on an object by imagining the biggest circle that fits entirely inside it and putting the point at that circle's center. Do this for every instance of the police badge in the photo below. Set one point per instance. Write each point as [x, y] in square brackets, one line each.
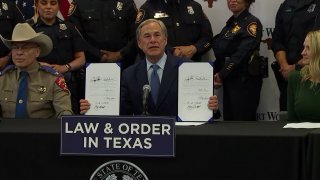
[235, 29]
[119, 6]
[4, 6]
[63, 26]
[311, 8]
[190, 10]
[42, 89]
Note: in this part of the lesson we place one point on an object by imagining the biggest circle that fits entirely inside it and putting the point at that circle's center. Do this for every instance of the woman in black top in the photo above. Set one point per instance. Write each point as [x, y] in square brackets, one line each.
[235, 48]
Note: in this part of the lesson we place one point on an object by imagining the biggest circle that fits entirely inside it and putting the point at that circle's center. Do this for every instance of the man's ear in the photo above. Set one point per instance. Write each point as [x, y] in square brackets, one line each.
[139, 44]
[38, 52]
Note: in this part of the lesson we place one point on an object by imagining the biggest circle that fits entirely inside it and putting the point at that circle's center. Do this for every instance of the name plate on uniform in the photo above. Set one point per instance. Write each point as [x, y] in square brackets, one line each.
[118, 136]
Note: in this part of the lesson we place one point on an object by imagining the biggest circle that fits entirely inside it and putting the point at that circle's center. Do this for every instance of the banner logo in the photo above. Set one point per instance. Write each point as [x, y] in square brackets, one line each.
[118, 170]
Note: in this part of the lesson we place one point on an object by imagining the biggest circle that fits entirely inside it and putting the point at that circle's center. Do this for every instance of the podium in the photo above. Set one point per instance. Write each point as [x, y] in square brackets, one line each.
[30, 150]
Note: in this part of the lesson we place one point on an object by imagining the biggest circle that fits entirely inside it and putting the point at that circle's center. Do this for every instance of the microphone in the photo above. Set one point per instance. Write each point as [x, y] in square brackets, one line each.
[146, 90]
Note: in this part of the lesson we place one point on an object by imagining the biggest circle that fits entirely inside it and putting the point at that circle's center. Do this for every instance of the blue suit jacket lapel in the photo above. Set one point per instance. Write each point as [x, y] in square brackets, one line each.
[169, 76]
[141, 75]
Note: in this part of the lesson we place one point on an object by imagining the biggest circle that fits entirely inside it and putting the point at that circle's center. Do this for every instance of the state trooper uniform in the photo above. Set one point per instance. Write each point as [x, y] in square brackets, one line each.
[48, 95]
[10, 15]
[234, 48]
[66, 41]
[185, 21]
[294, 19]
[107, 25]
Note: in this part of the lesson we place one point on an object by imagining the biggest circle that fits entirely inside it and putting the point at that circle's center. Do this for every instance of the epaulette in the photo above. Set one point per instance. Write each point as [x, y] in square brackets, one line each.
[7, 69]
[50, 70]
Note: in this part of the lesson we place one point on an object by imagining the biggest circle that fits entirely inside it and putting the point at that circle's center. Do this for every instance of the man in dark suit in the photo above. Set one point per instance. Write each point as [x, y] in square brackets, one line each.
[159, 69]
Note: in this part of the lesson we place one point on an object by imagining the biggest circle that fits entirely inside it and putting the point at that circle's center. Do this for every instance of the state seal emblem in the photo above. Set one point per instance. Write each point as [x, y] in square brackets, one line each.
[118, 170]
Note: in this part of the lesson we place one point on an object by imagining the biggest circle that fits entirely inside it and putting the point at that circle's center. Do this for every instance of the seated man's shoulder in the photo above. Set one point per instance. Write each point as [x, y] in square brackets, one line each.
[8, 69]
[57, 77]
[131, 68]
[50, 71]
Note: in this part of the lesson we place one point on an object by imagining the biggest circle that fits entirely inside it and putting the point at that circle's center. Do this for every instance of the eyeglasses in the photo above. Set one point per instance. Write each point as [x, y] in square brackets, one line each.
[23, 47]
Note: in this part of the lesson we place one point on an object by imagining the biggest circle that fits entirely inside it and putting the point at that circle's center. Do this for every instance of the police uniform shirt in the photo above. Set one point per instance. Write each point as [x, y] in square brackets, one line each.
[235, 44]
[48, 95]
[10, 15]
[107, 25]
[185, 21]
[294, 19]
[66, 41]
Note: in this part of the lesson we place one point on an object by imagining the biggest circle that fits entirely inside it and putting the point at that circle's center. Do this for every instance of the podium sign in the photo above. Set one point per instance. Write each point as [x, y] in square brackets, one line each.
[118, 136]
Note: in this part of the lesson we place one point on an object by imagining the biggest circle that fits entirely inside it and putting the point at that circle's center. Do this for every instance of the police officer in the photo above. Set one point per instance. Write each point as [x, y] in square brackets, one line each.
[109, 28]
[235, 48]
[27, 89]
[67, 56]
[10, 15]
[189, 30]
[295, 18]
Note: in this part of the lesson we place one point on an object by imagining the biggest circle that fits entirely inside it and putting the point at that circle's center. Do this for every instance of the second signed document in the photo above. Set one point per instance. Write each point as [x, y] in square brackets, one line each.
[103, 88]
[195, 88]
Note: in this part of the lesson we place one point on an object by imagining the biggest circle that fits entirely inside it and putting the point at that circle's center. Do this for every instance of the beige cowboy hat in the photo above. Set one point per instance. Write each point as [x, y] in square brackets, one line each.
[23, 32]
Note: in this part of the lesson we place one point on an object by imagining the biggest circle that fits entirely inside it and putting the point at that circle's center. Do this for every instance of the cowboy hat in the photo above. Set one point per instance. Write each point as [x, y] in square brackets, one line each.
[23, 32]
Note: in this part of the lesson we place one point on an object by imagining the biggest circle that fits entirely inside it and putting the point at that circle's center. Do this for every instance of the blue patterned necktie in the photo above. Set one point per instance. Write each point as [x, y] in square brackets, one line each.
[155, 83]
[21, 103]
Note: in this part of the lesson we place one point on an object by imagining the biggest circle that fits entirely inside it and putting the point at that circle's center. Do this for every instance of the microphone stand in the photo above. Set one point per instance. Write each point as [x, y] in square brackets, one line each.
[145, 110]
[145, 97]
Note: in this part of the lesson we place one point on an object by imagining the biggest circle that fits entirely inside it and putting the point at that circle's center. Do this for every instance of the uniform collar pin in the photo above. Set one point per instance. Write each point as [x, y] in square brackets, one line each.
[42, 89]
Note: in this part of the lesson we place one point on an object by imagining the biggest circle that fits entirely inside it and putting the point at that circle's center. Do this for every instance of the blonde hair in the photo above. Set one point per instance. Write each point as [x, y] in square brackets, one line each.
[313, 68]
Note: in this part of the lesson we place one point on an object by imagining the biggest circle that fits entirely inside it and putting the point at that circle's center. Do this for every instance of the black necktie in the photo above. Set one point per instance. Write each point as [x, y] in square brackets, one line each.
[155, 83]
[21, 103]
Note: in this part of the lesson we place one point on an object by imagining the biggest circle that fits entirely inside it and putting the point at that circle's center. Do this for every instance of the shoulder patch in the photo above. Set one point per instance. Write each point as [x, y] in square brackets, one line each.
[62, 83]
[7, 69]
[252, 29]
[140, 16]
[50, 70]
[72, 8]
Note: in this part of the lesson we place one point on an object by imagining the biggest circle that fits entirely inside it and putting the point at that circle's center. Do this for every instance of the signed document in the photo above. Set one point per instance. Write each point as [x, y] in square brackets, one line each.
[195, 88]
[103, 88]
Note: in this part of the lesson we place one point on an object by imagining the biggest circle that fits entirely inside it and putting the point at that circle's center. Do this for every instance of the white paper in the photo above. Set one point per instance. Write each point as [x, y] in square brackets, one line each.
[306, 125]
[103, 88]
[195, 88]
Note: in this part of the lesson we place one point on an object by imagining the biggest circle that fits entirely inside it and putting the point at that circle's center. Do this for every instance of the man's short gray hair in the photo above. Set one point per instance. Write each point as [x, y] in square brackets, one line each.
[148, 21]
